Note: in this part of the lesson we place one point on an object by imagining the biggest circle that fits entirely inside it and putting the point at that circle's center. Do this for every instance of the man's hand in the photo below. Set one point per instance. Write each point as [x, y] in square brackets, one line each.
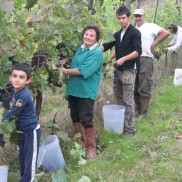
[120, 61]
[152, 48]
[102, 47]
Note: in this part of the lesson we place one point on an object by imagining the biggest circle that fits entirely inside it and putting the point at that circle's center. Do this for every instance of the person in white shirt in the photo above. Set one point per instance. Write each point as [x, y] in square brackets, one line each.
[144, 80]
[177, 39]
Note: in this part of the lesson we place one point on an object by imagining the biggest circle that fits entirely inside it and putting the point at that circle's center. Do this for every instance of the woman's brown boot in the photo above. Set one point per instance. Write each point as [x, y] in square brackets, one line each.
[91, 146]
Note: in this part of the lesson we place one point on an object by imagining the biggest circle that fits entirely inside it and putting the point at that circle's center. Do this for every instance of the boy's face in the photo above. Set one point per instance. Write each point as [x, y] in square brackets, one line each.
[123, 20]
[19, 79]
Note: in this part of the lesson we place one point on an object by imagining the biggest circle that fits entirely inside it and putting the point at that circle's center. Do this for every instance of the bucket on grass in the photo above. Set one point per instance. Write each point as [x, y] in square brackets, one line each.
[3, 173]
[50, 155]
[113, 116]
[178, 76]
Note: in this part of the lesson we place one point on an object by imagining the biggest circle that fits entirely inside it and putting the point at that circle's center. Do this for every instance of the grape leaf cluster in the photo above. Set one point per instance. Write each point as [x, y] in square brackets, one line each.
[39, 60]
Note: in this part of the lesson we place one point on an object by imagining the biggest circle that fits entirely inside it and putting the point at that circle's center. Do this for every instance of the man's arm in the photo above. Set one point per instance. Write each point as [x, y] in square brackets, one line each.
[176, 44]
[107, 46]
[162, 35]
[113, 55]
[165, 49]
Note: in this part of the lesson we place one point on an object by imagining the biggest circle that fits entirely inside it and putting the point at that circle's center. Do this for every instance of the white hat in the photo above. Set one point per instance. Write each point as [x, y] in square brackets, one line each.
[139, 12]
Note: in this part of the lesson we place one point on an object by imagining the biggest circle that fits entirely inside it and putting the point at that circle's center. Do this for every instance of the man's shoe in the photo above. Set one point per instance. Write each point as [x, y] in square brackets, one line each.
[129, 132]
[137, 115]
[143, 116]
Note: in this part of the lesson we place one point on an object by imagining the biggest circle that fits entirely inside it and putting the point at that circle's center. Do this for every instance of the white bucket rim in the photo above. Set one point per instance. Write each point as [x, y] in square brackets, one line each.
[50, 145]
[113, 106]
[3, 169]
[180, 69]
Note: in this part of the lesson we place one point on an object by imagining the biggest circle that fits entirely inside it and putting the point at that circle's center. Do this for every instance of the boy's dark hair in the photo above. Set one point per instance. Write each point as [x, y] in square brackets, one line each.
[23, 67]
[94, 27]
[173, 27]
[123, 10]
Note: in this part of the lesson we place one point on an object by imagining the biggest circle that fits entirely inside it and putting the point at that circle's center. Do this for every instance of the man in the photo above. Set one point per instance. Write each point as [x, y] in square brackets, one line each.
[177, 39]
[127, 51]
[144, 82]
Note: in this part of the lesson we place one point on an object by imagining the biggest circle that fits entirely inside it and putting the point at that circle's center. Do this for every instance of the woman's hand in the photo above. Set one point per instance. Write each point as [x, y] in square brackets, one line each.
[64, 70]
[64, 61]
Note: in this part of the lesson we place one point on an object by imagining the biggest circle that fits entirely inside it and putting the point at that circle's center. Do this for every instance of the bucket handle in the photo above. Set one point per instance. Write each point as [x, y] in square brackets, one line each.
[42, 158]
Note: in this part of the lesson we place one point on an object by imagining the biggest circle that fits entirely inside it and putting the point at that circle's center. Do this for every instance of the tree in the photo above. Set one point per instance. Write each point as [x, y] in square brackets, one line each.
[128, 3]
[41, 28]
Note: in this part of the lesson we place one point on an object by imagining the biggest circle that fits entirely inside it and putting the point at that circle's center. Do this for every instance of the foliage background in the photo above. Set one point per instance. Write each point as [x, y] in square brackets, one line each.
[49, 22]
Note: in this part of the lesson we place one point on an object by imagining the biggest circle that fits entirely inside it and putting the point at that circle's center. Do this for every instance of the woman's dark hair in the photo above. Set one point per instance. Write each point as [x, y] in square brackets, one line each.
[23, 67]
[123, 10]
[93, 27]
[173, 27]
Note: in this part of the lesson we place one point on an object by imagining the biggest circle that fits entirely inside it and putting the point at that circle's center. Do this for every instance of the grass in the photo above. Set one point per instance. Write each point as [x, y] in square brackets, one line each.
[152, 155]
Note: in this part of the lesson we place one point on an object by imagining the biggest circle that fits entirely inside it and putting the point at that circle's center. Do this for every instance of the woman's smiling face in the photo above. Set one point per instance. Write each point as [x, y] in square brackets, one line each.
[89, 38]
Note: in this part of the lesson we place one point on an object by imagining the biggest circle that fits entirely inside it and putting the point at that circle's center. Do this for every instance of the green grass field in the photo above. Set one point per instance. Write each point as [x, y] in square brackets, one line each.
[152, 155]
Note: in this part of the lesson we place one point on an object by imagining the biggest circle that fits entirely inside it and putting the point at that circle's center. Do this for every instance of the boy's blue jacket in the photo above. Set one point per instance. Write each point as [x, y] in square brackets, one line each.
[23, 108]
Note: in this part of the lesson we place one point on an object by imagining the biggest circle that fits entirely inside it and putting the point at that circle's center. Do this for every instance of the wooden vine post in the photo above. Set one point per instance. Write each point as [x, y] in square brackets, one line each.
[156, 10]
[139, 1]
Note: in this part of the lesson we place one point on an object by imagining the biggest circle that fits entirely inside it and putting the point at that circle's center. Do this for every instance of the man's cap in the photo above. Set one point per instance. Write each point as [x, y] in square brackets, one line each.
[139, 12]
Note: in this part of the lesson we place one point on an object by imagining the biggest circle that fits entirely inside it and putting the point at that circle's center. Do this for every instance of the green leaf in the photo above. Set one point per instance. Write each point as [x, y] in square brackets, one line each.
[84, 179]
[48, 124]
[19, 3]
[7, 127]
[59, 175]
[7, 66]
[14, 137]
[61, 135]
[82, 162]
[77, 152]
[39, 175]
[1, 14]
[10, 126]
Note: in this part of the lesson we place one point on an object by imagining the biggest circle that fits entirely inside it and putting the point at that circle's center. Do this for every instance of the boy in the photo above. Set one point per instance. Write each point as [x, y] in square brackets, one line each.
[27, 122]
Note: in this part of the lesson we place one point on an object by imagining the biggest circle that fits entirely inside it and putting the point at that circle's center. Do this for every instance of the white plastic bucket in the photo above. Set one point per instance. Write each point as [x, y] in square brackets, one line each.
[50, 155]
[3, 173]
[178, 77]
[113, 116]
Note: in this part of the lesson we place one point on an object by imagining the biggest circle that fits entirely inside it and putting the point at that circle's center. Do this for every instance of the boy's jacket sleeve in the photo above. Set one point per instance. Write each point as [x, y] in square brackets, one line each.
[17, 107]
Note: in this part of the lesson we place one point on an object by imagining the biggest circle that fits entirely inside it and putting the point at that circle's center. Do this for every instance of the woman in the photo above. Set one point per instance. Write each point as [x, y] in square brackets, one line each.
[83, 85]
